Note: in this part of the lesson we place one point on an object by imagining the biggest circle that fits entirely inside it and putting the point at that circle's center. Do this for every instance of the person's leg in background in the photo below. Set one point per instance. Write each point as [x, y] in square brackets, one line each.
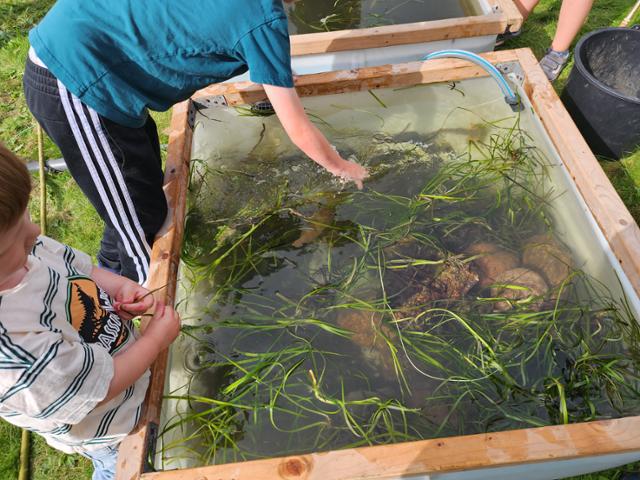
[109, 254]
[526, 7]
[137, 153]
[573, 14]
[117, 168]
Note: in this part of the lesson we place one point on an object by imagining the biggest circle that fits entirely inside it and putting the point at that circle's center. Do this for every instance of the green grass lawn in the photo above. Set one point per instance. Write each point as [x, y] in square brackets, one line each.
[537, 34]
[72, 220]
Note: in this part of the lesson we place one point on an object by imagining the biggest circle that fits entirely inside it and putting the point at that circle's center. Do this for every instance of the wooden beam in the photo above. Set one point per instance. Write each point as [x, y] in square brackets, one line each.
[511, 12]
[403, 34]
[386, 76]
[452, 454]
[165, 259]
[506, 17]
[609, 211]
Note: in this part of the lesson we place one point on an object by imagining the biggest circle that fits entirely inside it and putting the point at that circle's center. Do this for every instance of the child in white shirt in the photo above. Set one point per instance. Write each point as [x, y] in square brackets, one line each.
[71, 367]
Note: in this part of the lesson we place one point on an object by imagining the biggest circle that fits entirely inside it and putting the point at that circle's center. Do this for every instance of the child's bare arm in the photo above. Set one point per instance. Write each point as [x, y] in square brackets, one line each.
[129, 298]
[308, 138]
[129, 365]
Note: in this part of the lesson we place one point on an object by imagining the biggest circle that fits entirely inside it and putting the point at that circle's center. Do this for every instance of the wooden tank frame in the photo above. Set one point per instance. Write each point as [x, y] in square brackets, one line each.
[505, 16]
[420, 459]
[373, 46]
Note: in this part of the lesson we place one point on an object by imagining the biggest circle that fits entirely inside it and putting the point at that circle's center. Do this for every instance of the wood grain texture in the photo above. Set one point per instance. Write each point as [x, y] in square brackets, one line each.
[510, 11]
[403, 34]
[433, 456]
[507, 16]
[165, 259]
[386, 76]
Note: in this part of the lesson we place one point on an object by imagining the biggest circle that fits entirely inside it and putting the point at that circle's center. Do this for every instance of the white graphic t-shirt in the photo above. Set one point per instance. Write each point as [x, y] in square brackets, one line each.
[58, 334]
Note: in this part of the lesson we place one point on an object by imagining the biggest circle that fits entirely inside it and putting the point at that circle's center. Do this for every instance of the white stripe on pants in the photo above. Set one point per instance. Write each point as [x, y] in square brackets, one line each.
[114, 195]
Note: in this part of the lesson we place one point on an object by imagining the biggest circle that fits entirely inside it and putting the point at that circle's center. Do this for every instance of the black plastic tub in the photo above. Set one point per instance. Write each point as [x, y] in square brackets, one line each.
[603, 91]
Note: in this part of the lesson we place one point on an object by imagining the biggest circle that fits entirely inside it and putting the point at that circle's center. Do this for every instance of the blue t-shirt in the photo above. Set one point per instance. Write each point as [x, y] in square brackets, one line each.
[121, 57]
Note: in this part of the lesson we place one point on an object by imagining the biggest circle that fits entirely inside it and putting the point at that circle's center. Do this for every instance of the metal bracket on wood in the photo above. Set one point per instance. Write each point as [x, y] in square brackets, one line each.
[150, 451]
[202, 103]
[191, 114]
[512, 71]
[212, 101]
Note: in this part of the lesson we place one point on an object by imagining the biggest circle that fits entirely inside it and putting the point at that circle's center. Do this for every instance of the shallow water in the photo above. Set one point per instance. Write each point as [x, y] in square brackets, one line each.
[322, 317]
[312, 16]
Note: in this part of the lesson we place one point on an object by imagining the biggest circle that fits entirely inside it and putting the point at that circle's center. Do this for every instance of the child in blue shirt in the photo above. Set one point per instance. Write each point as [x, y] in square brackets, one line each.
[96, 67]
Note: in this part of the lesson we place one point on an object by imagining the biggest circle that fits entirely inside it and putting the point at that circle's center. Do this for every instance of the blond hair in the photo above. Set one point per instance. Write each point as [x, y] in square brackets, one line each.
[15, 188]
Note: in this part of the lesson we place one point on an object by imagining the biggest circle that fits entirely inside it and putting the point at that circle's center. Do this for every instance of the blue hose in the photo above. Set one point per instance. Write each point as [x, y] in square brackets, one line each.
[509, 95]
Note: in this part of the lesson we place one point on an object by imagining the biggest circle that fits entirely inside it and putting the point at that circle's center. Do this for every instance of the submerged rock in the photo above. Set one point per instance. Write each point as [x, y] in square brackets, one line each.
[317, 224]
[455, 280]
[491, 261]
[406, 278]
[368, 334]
[452, 281]
[406, 247]
[548, 257]
[519, 284]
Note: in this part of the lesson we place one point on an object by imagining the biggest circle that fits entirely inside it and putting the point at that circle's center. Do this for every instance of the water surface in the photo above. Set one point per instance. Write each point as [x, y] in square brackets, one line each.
[311, 16]
[321, 317]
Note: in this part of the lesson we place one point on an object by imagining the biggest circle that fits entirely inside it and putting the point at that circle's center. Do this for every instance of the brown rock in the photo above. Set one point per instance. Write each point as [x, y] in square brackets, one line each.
[411, 279]
[491, 261]
[455, 280]
[531, 285]
[452, 282]
[317, 224]
[546, 255]
[368, 330]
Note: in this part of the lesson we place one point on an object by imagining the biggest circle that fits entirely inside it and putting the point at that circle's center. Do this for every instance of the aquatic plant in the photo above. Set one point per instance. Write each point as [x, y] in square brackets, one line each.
[309, 16]
[324, 318]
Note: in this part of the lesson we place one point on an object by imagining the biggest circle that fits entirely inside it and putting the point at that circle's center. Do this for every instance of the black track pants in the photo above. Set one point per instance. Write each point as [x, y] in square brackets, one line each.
[118, 169]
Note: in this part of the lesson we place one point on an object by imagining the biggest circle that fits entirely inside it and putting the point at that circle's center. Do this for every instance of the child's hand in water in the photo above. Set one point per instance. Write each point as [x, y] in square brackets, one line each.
[350, 171]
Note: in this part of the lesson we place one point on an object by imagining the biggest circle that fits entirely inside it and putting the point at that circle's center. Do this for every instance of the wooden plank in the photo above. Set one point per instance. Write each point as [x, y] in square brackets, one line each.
[512, 13]
[165, 259]
[433, 456]
[403, 34]
[386, 76]
[612, 216]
